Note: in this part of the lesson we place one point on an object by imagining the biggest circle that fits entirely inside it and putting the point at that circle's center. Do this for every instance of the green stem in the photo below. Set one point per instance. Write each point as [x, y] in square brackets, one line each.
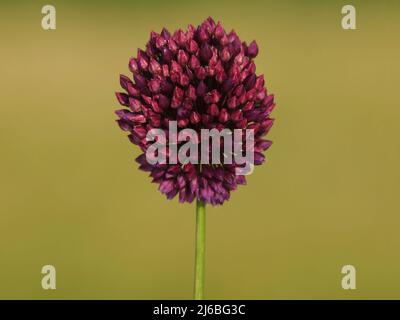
[200, 250]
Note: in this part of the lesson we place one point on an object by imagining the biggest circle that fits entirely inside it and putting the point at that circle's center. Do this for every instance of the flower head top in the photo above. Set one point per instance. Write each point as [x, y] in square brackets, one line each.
[202, 78]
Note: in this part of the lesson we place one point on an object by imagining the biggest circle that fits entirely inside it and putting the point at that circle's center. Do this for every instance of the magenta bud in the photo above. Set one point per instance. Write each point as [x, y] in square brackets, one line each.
[165, 70]
[241, 124]
[213, 110]
[182, 58]
[160, 42]
[182, 123]
[212, 96]
[183, 80]
[195, 117]
[224, 40]
[200, 73]
[154, 85]
[220, 76]
[133, 90]
[191, 93]
[232, 102]
[138, 118]
[140, 81]
[219, 31]
[225, 54]
[249, 105]
[143, 60]
[155, 120]
[139, 131]
[239, 90]
[202, 34]
[223, 115]
[177, 97]
[181, 38]
[192, 46]
[260, 82]
[194, 63]
[134, 104]
[172, 46]
[236, 115]
[154, 67]
[133, 66]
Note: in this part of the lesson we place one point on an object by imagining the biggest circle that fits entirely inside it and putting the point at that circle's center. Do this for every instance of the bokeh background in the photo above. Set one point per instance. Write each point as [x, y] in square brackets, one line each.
[71, 195]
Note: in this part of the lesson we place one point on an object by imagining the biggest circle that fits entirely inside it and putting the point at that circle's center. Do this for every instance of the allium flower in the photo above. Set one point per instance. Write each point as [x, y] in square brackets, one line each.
[201, 78]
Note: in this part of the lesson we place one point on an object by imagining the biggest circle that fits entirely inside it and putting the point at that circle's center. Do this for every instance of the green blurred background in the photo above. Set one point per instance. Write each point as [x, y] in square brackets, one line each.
[71, 195]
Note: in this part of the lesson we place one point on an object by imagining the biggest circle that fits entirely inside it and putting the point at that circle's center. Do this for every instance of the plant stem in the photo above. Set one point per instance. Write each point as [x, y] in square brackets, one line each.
[200, 250]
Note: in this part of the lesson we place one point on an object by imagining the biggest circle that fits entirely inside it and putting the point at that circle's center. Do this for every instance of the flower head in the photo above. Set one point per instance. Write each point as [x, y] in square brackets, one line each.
[202, 78]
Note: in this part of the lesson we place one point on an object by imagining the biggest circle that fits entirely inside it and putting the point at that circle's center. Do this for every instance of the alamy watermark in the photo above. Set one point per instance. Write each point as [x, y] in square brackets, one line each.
[188, 146]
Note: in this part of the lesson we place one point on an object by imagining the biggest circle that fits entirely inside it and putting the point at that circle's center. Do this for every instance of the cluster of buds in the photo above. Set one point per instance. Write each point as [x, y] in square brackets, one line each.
[202, 78]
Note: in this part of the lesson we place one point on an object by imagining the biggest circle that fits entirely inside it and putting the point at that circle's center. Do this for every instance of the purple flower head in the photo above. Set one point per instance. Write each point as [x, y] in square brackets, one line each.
[202, 78]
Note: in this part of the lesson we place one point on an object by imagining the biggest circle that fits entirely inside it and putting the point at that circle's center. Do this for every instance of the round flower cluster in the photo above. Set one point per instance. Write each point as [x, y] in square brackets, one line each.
[202, 78]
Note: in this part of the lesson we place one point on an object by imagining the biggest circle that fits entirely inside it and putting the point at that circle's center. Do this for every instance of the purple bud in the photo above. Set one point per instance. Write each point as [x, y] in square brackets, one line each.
[124, 81]
[182, 58]
[205, 52]
[227, 85]
[252, 50]
[166, 87]
[250, 81]
[122, 98]
[166, 55]
[163, 101]
[165, 34]
[201, 89]
[259, 158]
[140, 81]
